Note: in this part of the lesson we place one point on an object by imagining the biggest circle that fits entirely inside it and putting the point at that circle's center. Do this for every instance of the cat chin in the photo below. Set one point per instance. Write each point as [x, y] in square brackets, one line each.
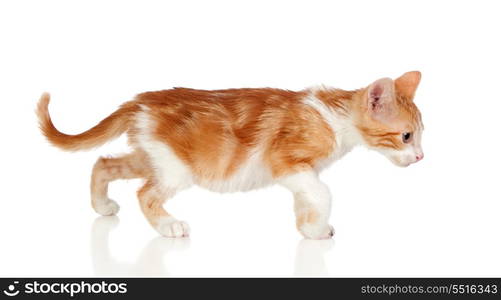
[399, 163]
[398, 159]
[403, 165]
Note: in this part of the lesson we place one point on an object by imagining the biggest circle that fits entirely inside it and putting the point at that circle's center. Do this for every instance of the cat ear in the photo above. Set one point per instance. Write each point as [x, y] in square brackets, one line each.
[380, 98]
[407, 84]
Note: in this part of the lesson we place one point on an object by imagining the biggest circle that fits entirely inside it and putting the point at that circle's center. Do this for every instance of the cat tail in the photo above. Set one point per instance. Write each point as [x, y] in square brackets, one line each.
[110, 128]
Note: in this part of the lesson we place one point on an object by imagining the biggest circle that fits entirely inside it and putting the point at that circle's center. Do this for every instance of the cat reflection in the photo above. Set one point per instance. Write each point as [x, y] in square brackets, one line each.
[153, 259]
[150, 262]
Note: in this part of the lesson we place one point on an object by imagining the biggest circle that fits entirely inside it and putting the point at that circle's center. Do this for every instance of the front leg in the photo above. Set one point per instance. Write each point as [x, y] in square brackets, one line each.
[312, 204]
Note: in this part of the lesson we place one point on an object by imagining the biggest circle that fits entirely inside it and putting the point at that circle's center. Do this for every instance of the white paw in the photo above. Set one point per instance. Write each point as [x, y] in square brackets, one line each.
[316, 232]
[107, 207]
[170, 227]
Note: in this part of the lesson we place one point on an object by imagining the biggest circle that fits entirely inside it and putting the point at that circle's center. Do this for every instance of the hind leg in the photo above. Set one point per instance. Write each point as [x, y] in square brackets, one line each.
[106, 170]
[151, 199]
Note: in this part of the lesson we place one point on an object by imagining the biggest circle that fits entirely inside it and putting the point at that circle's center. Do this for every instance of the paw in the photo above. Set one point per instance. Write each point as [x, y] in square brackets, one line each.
[172, 228]
[317, 232]
[107, 207]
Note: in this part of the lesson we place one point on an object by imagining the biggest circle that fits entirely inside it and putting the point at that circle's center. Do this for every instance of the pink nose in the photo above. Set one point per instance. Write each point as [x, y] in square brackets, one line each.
[419, 157]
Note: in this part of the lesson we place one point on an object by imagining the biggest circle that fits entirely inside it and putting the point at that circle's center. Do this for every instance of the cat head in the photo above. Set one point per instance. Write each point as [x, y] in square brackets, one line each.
[389, 121]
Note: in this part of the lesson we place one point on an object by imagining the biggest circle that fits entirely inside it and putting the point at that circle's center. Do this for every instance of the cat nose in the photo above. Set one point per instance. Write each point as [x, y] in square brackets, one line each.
[419, 157]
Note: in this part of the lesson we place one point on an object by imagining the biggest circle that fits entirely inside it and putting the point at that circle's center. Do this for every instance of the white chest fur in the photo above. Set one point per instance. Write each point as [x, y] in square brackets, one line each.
[346, 135]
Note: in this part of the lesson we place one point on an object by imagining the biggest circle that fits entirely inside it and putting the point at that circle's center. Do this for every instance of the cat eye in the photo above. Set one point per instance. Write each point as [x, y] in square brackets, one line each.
[407, 137]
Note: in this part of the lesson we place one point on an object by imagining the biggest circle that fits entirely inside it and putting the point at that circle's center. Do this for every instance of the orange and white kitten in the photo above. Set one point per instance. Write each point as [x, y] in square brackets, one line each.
[242, 139]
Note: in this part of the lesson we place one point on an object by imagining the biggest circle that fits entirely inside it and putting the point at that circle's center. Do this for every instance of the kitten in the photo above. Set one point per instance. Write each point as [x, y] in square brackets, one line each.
[242, 139]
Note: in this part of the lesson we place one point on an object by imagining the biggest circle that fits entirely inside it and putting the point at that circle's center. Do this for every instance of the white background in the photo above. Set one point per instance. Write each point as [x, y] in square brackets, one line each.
[440, 217]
